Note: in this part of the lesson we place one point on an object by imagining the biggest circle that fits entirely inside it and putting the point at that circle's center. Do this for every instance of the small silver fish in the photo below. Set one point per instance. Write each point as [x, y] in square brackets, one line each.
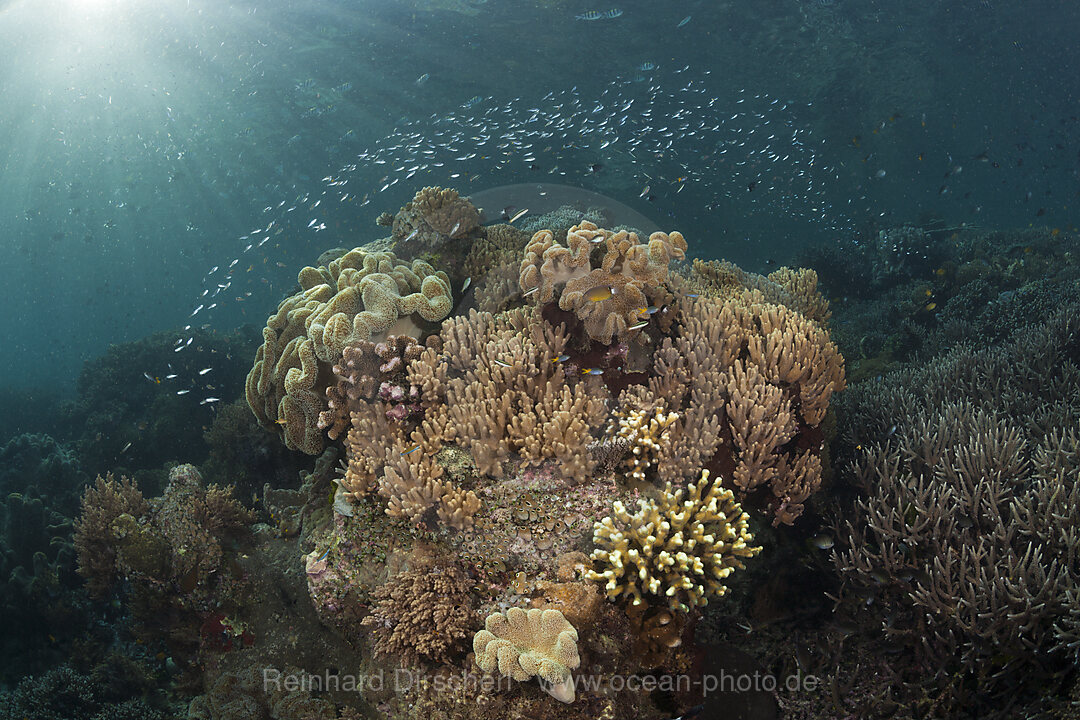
[413, 234]
[205, 370]
[465, 285]
[182, 392]
[518, 214]
[423, 78]
[209, 400]
[454, 229]
[644, 192]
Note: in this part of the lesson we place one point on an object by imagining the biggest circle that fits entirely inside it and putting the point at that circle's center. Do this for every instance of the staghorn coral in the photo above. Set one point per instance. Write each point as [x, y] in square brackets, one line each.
[675, 550]
[353, 298]
[966, 533]
[607, 298]
[524, 643]
[422, 615]
[434, 216]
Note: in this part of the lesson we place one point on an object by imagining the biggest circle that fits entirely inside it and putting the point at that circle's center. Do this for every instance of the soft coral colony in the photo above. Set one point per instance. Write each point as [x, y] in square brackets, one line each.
[509, 447]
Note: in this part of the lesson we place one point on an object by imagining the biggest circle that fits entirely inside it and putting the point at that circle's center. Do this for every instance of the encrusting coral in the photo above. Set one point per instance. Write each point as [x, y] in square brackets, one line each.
[610, 297]
[353, 298]
[422, 614]
[526, 643]
[678, 549]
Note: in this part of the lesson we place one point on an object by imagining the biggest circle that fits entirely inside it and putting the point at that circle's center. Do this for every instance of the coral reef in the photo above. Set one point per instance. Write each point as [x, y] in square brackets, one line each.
[175, 555]
[966, 532]
[751, 382]
[522, 644]
[676, 550]
[610, 297]
[353, 298]
[434, 216]
[422, 615]
[126, 412]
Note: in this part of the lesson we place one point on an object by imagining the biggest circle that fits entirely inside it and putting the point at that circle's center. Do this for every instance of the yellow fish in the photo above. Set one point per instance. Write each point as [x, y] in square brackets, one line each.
[599, 294]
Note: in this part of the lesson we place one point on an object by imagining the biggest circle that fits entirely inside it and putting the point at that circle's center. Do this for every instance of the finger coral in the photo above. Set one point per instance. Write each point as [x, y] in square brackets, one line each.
[751, 382]
[608, 297]
[677, 549]
[351, 299]
[526, 643]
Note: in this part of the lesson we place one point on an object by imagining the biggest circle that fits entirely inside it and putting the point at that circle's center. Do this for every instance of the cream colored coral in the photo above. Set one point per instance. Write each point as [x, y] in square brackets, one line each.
[675, 549]
[526, 643]
[348, 300]
[645, 432]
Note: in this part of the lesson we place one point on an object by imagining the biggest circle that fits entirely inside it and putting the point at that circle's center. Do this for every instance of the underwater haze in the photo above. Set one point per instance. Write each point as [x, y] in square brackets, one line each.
[352, 336]
[143, 140]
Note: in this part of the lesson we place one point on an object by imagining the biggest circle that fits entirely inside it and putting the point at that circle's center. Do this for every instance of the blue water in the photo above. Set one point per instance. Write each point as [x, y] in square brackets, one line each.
[142, 140]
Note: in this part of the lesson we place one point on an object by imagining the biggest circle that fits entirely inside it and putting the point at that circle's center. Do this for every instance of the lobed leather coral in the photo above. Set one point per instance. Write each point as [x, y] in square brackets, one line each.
[422, 615]
[526, 643]
[352, 298]
[608, 297]
[434, 216]
[678, 549]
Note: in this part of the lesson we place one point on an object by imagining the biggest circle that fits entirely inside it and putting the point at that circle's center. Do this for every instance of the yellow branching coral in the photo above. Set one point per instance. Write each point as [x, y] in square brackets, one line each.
[346, 301]
[526, 643]
[607, 298]
[675, 549]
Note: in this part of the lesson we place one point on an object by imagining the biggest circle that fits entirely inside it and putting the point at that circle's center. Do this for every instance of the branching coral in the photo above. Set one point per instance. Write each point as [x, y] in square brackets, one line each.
[968, 532]
[367, 370]
[747, 378]
[505, 394]
[644, 431]
[354, 297]
[610, 297]
[676, 550]
[422, 615]
[102, 504]
[526, 643]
